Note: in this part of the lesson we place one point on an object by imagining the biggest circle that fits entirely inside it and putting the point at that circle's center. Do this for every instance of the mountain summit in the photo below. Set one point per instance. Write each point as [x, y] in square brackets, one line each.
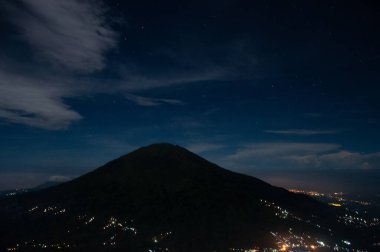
[160, 197]
[162, 172]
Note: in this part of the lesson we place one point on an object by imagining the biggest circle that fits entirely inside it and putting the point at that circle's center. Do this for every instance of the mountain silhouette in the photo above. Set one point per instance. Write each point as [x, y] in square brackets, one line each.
[162, 197]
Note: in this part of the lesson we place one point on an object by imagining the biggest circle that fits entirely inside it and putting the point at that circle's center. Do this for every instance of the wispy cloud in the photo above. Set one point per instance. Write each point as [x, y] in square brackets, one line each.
[342, 159]
[76, 36]
[17, 180]
[315, 115]
[307, 156]
[204, 147]
[303, 132]
[40, 101]
[33, 102]
[149, 102]
[58, 178]
[73, 34]
[133, 81]
[189, 64]
[114, 146]
[281, 149]
[186, 123]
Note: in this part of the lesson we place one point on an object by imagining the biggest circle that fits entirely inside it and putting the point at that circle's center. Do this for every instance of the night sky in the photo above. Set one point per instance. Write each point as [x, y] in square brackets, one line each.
[287, 91]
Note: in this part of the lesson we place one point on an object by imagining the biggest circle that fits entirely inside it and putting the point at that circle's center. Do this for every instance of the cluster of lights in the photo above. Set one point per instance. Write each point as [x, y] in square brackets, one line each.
[158, 249]
[375, 222]
[299, 242]
[62, 211]
[288, 241]
[111, 242]
[279, 211]
[50, 209]
[81, 217]
[114, 224]
[245, 250]
[17, 191]
[335, 204]
[310, 193]
[336, 196]
[284, 214]
[90, 220]
[40, 245]
[33, 209]
[350, 220]
[353, 218]
[122, 225]
[160, 237]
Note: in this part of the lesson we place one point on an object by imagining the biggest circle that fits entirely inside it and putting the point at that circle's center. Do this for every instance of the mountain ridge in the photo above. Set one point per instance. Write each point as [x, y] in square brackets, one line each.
[166, 187]
[179, 168]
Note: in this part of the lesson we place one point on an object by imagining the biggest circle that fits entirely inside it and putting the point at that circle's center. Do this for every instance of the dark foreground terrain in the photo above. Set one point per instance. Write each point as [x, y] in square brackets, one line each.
[165, 198]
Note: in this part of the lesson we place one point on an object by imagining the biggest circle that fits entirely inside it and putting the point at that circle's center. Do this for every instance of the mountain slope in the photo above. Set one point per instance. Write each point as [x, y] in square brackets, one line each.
[174, 198]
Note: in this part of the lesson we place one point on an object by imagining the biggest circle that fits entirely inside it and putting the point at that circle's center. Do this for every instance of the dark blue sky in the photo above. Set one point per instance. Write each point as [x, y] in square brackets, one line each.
[283, 90]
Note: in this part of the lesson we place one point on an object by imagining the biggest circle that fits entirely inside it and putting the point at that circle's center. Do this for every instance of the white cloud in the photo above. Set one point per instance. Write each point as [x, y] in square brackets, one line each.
[33, 102]
[71, 33]
[74, 35]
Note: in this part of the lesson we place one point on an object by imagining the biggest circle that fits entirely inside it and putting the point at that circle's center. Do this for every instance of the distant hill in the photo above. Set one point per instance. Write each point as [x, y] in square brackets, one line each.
[45, 185]
[164, 198]
[10, 193]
